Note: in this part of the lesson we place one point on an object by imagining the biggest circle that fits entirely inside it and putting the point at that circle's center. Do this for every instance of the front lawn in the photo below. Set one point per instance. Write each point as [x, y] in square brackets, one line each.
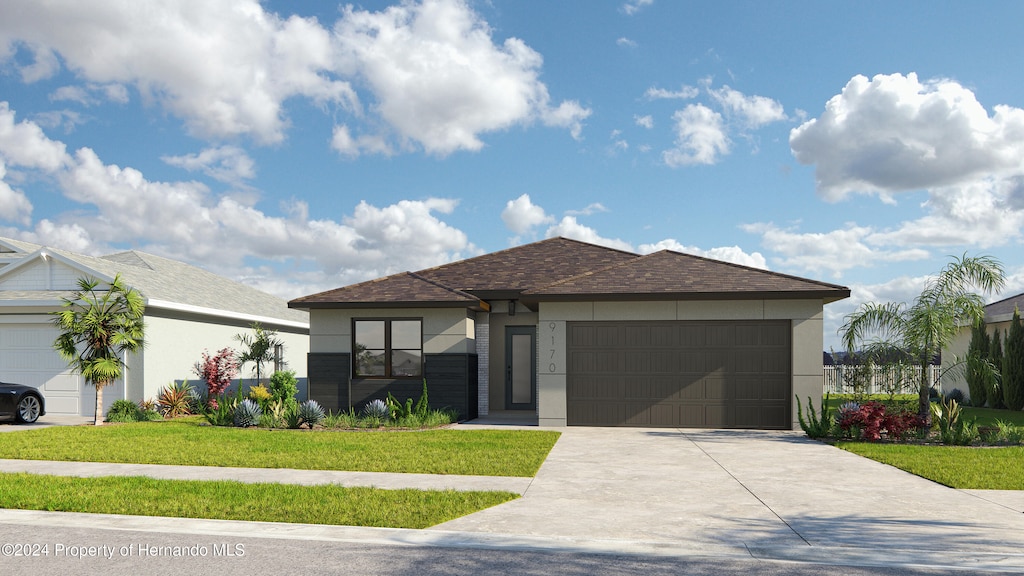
[188, 442]
[954, 466]
[229, 500]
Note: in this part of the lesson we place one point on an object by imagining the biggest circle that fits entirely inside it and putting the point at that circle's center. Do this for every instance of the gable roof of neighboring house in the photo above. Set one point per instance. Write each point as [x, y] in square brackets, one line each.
[163, 282]
[564, 269]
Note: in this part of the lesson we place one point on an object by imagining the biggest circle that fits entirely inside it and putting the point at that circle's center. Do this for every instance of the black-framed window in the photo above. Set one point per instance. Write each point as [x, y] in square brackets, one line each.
[387, 348]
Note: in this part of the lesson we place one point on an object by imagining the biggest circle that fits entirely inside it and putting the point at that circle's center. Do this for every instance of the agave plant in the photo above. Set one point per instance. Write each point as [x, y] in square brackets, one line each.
[378, 409]
[311, 413]
[247, 414]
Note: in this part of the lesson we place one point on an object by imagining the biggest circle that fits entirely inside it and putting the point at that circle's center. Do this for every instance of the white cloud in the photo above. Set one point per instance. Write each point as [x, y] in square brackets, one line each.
[644, 121]
[14, 205]
[986, 213]
[85, 95]
[24, 144]
[522, 215]
[592, 208]
[684, 93]
[733, 254]
[345, 144]
[633, 6]
[835, 251]
[700, 137]
[623, 41]
[228, 164]
[440, 81]
[570, 228]
[753, 111]
[894, 133]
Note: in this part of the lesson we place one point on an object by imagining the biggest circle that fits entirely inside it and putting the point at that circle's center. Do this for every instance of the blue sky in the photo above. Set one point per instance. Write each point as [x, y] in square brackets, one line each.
[856, 143]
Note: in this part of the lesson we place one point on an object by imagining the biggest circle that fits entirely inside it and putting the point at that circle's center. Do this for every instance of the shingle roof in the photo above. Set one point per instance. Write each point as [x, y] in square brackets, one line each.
[163, 279]
[685, 275]
[1003, 310]
[406, 289]
[563, 269]
[524, 267]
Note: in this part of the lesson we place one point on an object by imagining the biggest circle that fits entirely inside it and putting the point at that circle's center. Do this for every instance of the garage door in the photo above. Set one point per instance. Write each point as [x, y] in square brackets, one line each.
[715, 374]
[27, 357]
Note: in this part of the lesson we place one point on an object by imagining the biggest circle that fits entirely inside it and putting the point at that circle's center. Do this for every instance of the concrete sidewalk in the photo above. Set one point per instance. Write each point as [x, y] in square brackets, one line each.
[751, 494]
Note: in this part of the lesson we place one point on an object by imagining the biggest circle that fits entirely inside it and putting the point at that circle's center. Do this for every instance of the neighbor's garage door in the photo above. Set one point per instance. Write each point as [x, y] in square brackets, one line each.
[27, 357]
[715, 374]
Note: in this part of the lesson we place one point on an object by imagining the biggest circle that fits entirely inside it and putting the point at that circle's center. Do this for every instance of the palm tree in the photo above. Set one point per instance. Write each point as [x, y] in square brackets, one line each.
[97, 326]
[929, 324]
[259, 347]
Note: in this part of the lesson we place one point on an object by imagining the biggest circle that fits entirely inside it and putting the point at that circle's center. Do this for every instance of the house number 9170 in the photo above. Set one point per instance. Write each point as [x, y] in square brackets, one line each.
[552, 367]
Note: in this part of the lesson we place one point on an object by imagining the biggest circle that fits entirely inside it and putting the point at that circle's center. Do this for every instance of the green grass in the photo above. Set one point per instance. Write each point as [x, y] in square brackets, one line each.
[229, 500]
[188, 442]
[954, 466]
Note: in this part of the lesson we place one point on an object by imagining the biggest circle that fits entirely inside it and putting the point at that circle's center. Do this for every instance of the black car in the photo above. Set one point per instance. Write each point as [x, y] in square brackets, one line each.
[20, 403]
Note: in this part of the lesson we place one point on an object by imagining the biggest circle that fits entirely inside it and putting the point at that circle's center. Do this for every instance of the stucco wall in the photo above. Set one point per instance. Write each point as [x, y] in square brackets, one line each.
[176, 341]
[958, 349]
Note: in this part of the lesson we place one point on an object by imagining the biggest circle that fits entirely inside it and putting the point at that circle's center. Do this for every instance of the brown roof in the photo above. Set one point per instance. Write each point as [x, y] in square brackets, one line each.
[525, 267]
[668, 273]
[405, 289]
[564, 269]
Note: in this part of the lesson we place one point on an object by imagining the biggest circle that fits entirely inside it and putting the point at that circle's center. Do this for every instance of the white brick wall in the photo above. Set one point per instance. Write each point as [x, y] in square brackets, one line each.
[483, 343]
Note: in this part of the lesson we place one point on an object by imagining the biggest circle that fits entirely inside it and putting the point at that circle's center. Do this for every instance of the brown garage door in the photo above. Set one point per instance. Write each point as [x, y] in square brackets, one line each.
[715, 374]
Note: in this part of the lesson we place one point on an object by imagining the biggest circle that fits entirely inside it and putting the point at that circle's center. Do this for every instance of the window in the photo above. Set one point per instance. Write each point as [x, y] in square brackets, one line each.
[388, 348]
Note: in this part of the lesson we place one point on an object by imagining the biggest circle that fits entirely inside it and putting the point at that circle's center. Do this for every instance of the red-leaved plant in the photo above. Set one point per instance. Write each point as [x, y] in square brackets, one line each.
[874, 418]
[217, 371]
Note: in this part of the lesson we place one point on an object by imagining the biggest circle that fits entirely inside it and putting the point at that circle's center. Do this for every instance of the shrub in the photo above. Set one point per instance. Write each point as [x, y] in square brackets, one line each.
[311, 413]
[260, 395]
[284, 386]
[124, 411]
[955, 395]
[292, 418]
[247, 414]
[176, 399]
[870, 420]
[814, 426]
[953, 430]
[217, 371]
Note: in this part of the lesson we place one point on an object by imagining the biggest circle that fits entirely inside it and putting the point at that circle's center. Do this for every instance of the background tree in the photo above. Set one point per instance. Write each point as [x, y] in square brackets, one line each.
[977, 356]
[1013, 365]
[927, 325]
[995, 385]
[259, 347]
[97, 326]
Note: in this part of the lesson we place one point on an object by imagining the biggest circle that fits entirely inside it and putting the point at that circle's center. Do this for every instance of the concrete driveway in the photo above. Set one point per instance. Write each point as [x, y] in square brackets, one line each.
[775, 494]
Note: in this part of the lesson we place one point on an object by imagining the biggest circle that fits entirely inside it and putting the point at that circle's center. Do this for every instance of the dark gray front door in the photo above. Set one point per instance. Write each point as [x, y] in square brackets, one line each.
[520, 368]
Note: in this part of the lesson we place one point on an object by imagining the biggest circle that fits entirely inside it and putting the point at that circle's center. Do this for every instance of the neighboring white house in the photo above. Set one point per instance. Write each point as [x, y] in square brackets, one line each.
[188, 310]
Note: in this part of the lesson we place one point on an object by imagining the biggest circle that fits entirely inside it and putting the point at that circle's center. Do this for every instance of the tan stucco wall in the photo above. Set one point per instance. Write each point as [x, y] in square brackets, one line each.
[807, 339]
[445, 330]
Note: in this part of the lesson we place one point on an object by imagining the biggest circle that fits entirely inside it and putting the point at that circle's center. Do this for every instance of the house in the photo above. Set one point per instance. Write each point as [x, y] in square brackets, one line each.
[188, 310]
[577, 334]
[997, 319]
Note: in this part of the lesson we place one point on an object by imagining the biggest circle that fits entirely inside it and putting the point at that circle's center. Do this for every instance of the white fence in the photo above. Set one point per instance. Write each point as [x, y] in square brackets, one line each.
[877, 379]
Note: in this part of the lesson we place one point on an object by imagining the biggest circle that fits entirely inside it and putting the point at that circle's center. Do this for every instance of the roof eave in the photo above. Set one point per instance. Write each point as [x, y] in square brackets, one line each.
[827, 296]
[300, 305]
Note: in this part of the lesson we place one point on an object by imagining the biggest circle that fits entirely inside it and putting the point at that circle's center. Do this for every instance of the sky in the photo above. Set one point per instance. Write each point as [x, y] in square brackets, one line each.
[303, 146]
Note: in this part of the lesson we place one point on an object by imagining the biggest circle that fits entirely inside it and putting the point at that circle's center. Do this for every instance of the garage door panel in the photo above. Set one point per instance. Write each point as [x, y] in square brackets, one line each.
[714, 374]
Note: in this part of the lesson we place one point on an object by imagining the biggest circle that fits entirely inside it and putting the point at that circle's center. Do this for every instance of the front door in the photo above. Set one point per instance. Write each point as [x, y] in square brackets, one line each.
[520, 368]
